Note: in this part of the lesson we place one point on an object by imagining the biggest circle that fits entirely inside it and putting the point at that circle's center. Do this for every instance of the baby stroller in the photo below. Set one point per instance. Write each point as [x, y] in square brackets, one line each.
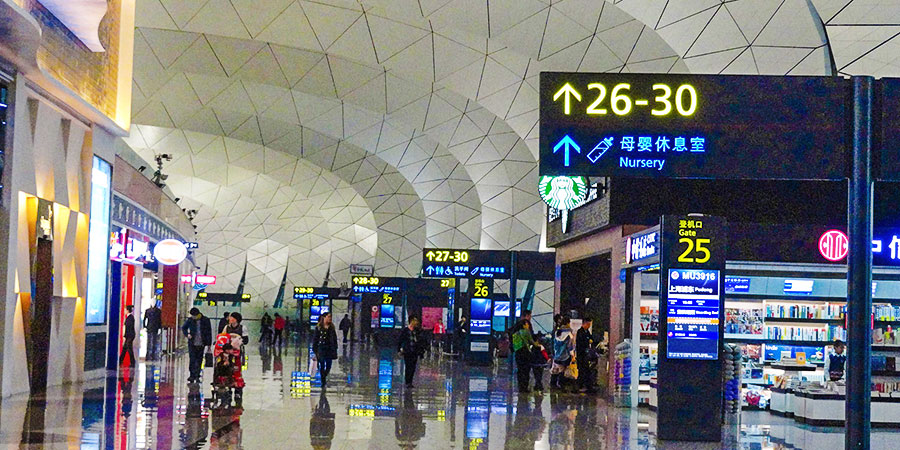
[227, 378]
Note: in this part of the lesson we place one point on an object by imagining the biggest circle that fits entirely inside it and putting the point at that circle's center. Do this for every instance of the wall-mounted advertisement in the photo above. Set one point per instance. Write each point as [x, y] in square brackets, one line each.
[98, 242]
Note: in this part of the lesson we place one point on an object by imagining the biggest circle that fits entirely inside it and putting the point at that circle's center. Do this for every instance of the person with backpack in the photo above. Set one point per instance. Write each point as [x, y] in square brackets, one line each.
[325, 346]
[523, 340]
[563, 351]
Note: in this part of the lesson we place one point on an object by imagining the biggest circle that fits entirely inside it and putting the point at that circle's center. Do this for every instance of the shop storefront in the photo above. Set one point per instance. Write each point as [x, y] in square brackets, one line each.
[783, 316]
[142, 216]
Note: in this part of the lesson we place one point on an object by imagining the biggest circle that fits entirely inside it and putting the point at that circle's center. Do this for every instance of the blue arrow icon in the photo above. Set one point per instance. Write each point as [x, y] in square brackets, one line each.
[567, 142]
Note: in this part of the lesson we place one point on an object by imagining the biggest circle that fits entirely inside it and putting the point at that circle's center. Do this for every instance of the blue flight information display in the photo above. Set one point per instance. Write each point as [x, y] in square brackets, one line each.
[481, 316]
[693, 303]
[316, 310]
[387, 316]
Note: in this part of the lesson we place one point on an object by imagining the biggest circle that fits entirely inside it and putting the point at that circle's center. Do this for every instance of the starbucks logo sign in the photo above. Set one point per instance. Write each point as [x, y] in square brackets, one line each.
[563, 193]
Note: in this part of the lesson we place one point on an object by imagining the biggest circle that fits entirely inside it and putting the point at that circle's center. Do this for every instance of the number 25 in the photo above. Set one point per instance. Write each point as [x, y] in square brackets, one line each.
[699, 247]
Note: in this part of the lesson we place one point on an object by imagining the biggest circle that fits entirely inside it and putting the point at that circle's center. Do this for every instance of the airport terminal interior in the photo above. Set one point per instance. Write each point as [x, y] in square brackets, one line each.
[450, 224]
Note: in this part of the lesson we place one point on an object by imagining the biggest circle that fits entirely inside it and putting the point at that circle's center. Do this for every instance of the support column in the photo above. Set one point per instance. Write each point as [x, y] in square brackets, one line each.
[859, 271]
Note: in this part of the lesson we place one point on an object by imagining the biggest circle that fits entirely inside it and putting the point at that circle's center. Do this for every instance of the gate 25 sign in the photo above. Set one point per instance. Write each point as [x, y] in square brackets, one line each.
[695, 240]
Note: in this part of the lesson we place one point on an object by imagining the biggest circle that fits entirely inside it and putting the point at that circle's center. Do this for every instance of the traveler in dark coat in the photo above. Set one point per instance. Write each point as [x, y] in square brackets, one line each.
[411, 347]
[223, 322]
[198, 331]
[584, 343]
[325, 346]
[345, 326]
[129, 333]
[153, 323]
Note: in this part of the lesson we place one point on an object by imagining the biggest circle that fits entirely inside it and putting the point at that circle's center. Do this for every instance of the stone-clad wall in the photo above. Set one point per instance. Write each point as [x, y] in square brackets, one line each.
[94, 76]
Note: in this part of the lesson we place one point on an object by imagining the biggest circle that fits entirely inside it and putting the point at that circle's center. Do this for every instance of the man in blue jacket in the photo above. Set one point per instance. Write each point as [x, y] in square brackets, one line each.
[198, 331]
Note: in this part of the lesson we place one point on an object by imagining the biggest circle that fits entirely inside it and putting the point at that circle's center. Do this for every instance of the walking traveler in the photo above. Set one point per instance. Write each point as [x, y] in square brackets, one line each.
[411, 348]
[563, 351]
[279, 330]
[223, 322]
[345, 326]
[523, 339]
[265, 325]
[129, 334]
[198, 330]
[153, 323]
[325, 346]
[585, 355]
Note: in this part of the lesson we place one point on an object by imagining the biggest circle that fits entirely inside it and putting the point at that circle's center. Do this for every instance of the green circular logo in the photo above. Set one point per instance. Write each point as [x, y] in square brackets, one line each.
[563, 193]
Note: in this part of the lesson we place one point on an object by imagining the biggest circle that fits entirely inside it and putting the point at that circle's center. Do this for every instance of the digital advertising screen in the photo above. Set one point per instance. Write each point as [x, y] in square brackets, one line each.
[316, 311]
[387, 316]
[501, 309]
[693, 303]
[481, 316]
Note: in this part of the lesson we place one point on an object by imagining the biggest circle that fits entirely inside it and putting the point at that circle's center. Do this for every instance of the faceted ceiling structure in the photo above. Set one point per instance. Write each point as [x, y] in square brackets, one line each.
[362, 131]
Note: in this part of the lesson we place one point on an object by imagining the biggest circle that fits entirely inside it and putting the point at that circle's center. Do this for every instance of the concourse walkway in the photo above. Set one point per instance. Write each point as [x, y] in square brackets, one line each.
[364, 407]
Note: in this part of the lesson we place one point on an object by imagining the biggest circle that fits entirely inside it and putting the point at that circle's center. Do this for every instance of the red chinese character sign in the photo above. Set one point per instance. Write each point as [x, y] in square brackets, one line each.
[834, 245]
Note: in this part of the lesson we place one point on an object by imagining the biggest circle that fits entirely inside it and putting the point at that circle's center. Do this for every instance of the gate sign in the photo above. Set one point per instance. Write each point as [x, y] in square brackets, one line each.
[693, 126]
[834, 245]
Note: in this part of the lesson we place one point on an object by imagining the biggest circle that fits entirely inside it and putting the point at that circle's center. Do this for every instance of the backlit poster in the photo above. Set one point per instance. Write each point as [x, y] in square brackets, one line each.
[98, 242]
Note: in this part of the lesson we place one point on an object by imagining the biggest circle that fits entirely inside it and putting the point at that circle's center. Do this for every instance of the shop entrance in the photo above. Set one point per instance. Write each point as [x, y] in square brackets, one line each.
[585, 291]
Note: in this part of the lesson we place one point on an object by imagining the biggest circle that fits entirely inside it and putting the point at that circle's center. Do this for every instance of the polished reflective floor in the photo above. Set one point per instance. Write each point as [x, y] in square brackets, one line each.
[364, 407]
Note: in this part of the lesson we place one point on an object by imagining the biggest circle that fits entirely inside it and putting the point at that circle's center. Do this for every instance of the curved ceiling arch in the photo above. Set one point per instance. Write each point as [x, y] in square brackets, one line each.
[247, 214]
[506, 176]
[396, 209]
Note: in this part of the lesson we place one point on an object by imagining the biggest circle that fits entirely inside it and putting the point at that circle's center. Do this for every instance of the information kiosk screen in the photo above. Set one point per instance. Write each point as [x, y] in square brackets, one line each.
[693, 314]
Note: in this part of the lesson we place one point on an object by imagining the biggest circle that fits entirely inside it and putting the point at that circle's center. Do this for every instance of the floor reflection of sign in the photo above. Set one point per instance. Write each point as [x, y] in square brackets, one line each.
[693, 314]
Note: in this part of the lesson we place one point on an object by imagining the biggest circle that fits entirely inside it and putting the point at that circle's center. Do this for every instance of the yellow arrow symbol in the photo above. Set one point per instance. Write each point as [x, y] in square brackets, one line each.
[569, 92]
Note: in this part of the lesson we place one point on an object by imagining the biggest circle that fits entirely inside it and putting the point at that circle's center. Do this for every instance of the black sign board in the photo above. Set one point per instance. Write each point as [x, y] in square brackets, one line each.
[539, 266]
[214, 298]
[692, 268]
[461, 263]
[694, 126]
[317, 293]
[887, 102]
[497, 264]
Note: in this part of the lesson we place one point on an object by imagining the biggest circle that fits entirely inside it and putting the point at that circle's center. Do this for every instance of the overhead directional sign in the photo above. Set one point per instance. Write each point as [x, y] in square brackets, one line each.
[694, 126]
[213, 298]
[317, 293]
[459, 263]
